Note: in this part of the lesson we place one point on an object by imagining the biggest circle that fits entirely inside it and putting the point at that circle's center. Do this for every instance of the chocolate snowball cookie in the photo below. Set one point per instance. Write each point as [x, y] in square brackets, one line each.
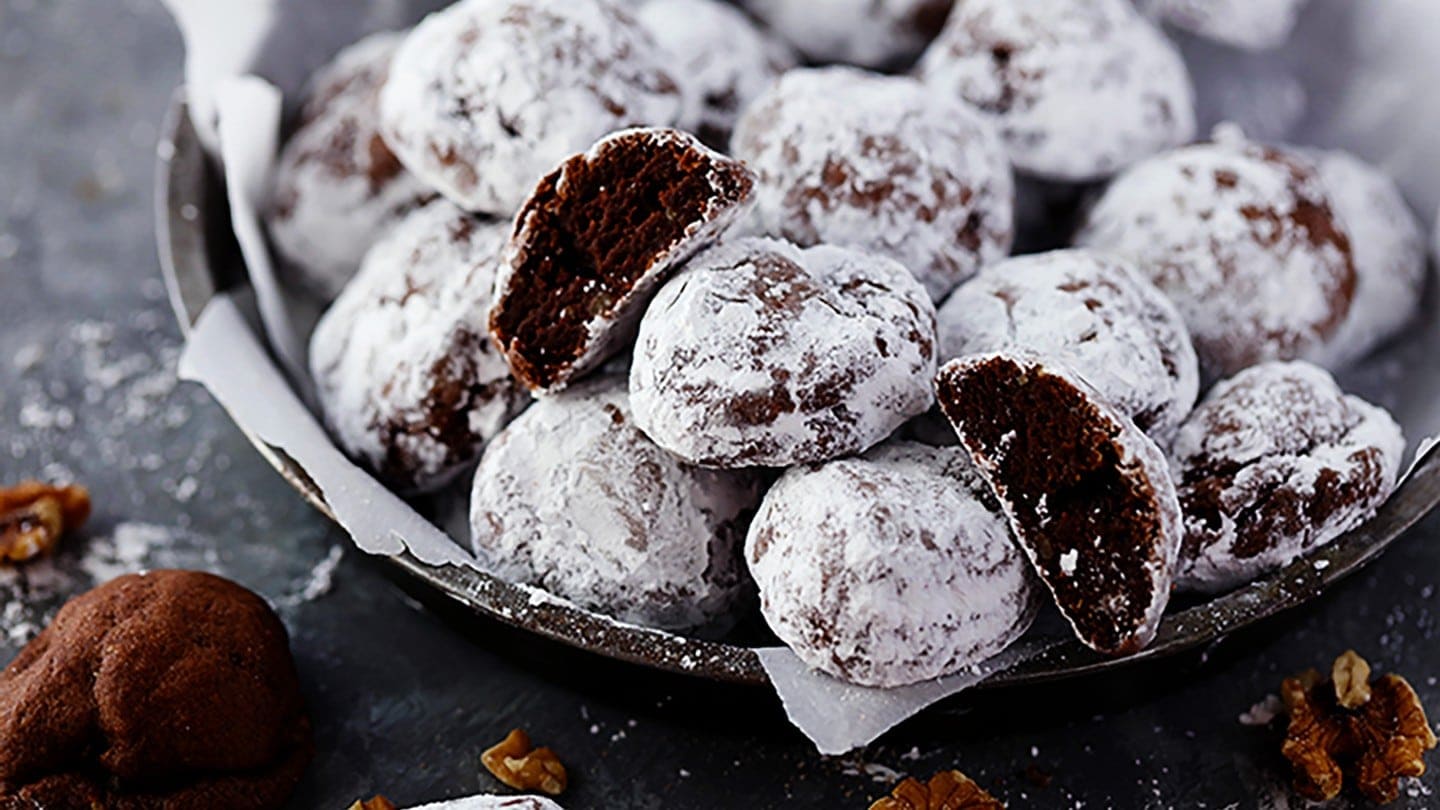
[573, 498]
[1254, 25]
[485, 96]
[1089, 496]
[1389, 253]
[1079, 88]
[337, 186]
[596, 238]
[406, 376]
[763, 354]
[171, 689]
[721, 59]
[1275, 462]
[871, 33]
[856, 159]
[494, 803]
[1095, 314]
[1243, 238]
[889, 568]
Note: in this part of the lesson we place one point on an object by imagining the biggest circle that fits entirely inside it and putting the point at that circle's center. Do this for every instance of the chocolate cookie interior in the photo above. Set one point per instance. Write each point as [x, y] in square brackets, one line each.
[1085, 514]
[592, 232]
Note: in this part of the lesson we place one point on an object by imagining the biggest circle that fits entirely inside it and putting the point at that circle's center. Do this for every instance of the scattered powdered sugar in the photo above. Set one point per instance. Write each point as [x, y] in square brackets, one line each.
[31, 593]
[1080, 90]
[1263, 712]
[321, 579]
[874, 771]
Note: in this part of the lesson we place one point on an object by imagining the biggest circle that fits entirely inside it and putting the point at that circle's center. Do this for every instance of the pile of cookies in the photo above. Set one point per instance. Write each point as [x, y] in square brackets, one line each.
[714, 299]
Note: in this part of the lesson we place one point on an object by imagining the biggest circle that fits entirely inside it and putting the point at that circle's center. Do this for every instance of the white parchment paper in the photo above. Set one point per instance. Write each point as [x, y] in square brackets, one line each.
[1353, 77]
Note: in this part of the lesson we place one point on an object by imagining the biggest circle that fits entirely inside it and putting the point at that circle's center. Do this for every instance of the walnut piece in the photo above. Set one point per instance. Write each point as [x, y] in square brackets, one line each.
[946, 790]
[521, 766]
[373, 803]
[34, 516]
[1370, 732]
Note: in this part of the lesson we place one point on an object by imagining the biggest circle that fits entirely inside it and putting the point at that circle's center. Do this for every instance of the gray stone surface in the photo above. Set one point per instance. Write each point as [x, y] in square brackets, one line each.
[404, 699]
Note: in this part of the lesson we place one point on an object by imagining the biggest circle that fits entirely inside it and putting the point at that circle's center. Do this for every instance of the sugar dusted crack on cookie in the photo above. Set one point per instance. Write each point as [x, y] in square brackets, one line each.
[1088, 495]
[763, 354]
[1275, 462]
[596, 238]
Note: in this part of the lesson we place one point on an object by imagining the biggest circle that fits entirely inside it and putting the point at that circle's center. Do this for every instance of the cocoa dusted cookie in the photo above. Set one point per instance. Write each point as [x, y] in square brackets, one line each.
[595, 239]
[486, 96]
[871, 33]
[171, 689]
[1389, 251]
[1254, 25]
[1079, 88]
[889, 568]
[721, 59]
[407, 378]
[1275, 462]
[1243, 238]
[764, 354]
[574, 499]
[337, 185]
[1097, 315]
[877, 163]
[1089, 496]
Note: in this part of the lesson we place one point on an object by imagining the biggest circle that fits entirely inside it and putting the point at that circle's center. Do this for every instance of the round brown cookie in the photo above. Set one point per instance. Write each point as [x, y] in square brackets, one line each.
[1243, 239]
[1089, 496]
[871, 33]
[1274, 463]
[1389, 252]
[171, 689]
[573, 498]
[1254, 25]
[763, 354]
[337, 186]
[408, 380]
[721, 59]
[855, 159]
[891, 568]
[596, 238]
[1095, 314]
[486, 96]
[1079, 88]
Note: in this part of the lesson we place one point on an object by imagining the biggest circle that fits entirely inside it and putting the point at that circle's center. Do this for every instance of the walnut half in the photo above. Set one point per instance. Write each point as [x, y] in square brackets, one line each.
[521, 766]
[947, 790]
[34, 516]
[1349, 727]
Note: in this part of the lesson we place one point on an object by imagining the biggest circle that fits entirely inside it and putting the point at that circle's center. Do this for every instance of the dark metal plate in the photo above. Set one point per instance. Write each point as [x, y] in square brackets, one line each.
[199, 257]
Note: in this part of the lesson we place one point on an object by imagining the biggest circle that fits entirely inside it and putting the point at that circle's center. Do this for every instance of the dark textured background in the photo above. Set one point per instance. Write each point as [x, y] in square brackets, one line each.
[403, 700]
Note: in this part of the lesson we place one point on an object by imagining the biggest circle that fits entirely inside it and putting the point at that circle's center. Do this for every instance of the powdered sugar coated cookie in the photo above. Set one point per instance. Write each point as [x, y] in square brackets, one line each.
[889, 568]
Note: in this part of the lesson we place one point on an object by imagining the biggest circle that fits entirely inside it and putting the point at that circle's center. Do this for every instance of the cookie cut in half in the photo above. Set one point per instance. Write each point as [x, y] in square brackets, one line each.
[1088, 495]
[597, 237]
